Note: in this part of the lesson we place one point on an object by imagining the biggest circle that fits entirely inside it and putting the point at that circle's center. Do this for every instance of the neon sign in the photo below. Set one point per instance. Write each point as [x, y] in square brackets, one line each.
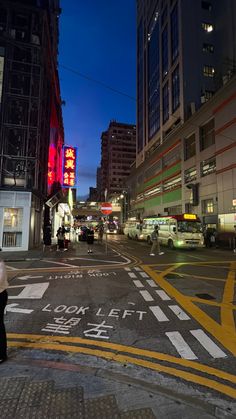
[69, 166]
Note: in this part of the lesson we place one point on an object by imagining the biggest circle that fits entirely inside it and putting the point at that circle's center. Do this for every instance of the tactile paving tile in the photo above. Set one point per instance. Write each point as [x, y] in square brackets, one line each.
[138, 414]
[36, 393]
[8, 408]
[11, 388]
[101, 408]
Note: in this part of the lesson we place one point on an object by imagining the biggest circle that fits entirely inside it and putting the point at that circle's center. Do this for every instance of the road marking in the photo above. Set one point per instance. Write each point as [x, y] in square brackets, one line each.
[152, 283]
[138, 283]
[146, 295]
[208, 344]
[137, 268]
[144, 275]
[180, 345]
[227, 315]
[179, 312]
[127, 269]
[159, 314]
[10, 268]
[132, 275]
[162, 294]
[13, 309]
[29, 277]
[34, 291]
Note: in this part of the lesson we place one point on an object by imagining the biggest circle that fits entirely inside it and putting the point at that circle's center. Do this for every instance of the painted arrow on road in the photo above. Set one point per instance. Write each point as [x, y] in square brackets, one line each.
[29, 277]
[14, 309]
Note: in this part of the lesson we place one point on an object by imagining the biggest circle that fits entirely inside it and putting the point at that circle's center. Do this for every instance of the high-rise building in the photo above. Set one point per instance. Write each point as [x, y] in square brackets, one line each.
[31, 127]
[118, 152]
[186, 51]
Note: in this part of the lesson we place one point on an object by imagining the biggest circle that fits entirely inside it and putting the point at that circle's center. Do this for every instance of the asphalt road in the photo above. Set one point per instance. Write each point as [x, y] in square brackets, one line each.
[172, 314]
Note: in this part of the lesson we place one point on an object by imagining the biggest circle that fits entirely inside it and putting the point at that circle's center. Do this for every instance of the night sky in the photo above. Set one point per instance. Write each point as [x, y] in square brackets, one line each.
[98, 40]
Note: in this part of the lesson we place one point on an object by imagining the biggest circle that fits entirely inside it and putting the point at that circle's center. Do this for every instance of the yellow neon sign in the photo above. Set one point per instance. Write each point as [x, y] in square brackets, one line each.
[190, 216]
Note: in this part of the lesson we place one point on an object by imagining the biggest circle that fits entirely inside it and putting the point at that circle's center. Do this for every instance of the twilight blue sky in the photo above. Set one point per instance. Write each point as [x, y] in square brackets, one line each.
[97, 39]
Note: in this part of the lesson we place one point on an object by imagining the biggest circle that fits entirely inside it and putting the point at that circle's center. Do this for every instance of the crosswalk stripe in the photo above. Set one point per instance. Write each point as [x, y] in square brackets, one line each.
[179, 312]
[127, 269]
[163, 295]
[144, 275]
[137, 268]
[146, 295]
[208, 343]
[138, 283]
[151, 283]
[132, 275]
[159, 314]
[180, 345]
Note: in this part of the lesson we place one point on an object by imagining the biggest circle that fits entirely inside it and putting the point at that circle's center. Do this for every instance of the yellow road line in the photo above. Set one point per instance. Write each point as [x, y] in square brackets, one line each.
[211, 303]
[222, 335]
[193, 378]
[128, 349]
[227, 315]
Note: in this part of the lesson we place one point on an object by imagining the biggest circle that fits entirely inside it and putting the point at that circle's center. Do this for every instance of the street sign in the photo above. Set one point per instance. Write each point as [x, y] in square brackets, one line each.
[106, 208]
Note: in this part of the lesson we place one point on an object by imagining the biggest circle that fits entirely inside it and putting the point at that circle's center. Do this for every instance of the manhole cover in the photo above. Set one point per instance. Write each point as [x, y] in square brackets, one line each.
[205, 296]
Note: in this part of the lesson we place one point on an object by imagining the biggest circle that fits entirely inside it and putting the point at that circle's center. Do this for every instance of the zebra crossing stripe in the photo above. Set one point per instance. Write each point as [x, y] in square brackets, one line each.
[180, 345]
[146, 295]
[208, 343]
[163, 295]
[137, 268]
[152, 283]
[144, 275]
[138, 283]
[132, 275]
[159, 314]
[127, 269]
[179, 312]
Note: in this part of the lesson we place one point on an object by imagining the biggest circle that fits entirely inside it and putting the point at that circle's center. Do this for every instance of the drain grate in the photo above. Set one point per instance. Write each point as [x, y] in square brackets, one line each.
[205, 296]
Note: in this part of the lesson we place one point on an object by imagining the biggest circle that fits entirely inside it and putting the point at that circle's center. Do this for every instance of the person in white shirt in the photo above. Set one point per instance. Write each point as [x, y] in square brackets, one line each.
[3, 303]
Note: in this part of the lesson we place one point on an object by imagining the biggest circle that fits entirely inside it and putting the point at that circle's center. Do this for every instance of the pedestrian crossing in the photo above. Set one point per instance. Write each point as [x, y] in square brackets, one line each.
[188, 343]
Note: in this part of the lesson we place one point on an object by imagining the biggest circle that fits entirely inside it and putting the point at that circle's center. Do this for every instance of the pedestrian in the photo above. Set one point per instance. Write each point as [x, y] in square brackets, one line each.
[100, 233]
[3, 303]
[90, 239]
[60, 239]
[155, 242]
[47, 235]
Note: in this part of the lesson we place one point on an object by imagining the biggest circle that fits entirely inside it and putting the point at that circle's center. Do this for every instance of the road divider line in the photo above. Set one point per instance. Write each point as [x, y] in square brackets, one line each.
[179, 312]
[159, 314]
[220, 333]
[138, 283]
[227, 315]
[162, 294]
[208, 344]
[146, 296]
[181, 345]
[126, 349]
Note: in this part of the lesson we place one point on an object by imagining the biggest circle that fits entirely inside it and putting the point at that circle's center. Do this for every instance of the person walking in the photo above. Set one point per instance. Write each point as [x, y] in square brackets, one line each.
[155, 242]
[100, 233]
[60, 239]
[90, 239]
[3, 303]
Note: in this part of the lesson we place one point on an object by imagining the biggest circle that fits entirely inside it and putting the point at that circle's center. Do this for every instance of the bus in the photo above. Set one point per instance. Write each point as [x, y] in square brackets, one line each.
[132, 229]
[175, 231]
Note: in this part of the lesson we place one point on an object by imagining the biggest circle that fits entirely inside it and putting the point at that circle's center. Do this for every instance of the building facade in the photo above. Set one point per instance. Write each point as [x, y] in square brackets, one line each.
[185, 71]
[31, 128]
[118, 151]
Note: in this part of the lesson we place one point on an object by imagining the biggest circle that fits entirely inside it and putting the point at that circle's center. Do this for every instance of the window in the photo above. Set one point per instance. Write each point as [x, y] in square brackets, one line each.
[208, 48]
[208, 95]
[207, 135]
[165, 52]
[208, 71]
[190, 174]
[12, 227]
[175, 89]
[172, 183]
[208, 206]
[172, 157]
[174, 33]
[206, 5]
[189, 147]
[207, 27]
[165, 100]
[208, 166]
[153, 82]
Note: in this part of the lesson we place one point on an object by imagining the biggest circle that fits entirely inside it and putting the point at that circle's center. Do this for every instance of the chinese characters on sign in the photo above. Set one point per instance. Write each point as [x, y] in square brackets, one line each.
[69, 166]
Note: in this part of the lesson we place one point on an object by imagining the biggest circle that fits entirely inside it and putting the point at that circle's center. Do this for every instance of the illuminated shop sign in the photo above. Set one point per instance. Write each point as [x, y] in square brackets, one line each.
[190, 216]
[69, 166]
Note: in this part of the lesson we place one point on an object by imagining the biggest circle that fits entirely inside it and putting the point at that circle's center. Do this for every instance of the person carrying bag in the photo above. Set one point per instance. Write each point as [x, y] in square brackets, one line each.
[3, 302]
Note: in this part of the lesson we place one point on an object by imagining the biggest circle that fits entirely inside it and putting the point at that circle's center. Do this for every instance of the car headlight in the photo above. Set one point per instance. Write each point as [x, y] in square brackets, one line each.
[115, 231]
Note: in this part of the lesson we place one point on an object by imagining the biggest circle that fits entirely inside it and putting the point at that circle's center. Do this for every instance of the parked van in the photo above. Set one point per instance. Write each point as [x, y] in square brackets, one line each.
[132, 229]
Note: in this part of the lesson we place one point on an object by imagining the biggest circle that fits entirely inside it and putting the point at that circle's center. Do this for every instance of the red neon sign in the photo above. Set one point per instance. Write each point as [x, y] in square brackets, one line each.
[69, 166]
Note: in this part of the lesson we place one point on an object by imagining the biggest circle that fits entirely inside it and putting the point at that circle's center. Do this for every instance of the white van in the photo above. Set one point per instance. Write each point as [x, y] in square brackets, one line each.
[132, 229]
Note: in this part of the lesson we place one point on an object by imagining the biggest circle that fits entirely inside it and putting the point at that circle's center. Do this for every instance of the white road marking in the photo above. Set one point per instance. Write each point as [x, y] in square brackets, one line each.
[180, 345]
[179, 312]
[35, 291]
[29, 277]
[152, 283]
[159, 314]
[163, 295]
[132, 275]
[10, 268]
[138, 283]
[13, 309]
[208, 344]
[60, 263]
[127, 269]
[144, 275]
[137, 268]
[146, 295]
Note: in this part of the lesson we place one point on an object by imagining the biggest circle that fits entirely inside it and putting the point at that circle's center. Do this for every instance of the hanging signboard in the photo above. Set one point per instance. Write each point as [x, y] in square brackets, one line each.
[69, 166]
